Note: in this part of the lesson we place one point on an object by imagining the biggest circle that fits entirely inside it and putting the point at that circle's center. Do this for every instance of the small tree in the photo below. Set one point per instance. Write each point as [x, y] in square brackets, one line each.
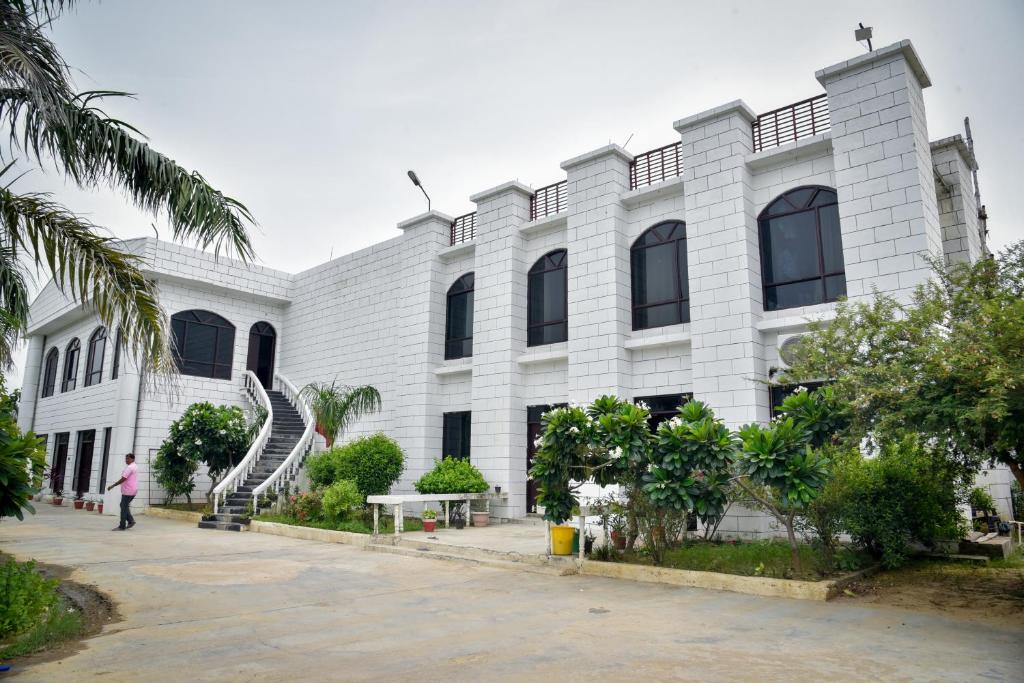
[22, 461]
[374, 462]
[216, 436]
[335, 406]
[781, 472]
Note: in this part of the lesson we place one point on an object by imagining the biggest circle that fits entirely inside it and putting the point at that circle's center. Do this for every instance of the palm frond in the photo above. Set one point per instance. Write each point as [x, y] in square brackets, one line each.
[90, 268]
[335, 406]
[30, 60]
[93, 148]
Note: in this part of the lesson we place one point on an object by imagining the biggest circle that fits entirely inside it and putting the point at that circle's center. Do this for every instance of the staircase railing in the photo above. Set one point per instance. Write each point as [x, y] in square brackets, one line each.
[253, 389]
[288, 469]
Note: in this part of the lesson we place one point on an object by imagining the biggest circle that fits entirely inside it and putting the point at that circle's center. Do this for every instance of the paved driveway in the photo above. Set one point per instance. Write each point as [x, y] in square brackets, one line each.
[219, 606]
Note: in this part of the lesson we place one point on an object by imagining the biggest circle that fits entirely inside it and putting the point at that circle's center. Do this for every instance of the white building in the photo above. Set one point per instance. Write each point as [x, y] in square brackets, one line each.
[673, 273]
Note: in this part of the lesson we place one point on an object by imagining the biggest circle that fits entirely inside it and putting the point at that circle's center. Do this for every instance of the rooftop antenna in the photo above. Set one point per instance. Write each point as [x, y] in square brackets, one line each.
[626, 143]
[416, 181]
[863, 33]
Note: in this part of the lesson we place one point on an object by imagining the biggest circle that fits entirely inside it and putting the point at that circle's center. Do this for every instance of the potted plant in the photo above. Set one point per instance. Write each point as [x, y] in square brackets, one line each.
[480, 517]
[90, 505]
[99, 505]
[58, 497]
[79, 502]
[618, 524]
[429, 520]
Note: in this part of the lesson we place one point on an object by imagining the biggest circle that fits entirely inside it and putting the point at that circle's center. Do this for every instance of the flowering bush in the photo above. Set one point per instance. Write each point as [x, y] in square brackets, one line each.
[307, 507]
[216, 436]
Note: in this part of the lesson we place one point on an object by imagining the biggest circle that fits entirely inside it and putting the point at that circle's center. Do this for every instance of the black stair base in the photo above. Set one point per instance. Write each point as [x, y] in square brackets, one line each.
[223, 526]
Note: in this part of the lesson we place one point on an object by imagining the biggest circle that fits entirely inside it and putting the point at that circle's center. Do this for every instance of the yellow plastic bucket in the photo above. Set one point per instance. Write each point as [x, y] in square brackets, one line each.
[561, 540]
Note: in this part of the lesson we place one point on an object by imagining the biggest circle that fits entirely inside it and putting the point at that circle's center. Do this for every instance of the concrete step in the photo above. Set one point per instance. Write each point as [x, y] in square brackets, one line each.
[232, 509]
[222, 526]
[453, 554]
[229, 517]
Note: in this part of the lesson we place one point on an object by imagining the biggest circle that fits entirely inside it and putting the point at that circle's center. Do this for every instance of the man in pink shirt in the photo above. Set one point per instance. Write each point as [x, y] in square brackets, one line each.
[129, 483]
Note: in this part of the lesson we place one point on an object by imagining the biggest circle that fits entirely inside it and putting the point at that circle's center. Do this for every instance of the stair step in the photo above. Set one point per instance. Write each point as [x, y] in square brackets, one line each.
[227, 517]
[232, 509]
[222, 526]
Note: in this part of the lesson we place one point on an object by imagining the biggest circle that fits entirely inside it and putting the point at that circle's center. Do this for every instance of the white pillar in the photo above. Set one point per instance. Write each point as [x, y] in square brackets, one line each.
[30, 383]
[884, 175]
[122, 438]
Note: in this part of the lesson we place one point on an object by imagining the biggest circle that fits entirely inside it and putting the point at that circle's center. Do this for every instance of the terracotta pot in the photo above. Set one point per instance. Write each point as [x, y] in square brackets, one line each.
[429, 524]
[99, 508]
[481, 518]
[57, 501]
[89, 506]
[79, 504]
[619, 540]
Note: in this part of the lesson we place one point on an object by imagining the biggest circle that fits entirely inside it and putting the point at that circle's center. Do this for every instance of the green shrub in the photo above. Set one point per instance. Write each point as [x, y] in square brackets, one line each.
[452, 476]
[21, 460]
[373, 462]
[339, 498]
[25, 597]
[981, 500]
[1017, 501]
[906, 494]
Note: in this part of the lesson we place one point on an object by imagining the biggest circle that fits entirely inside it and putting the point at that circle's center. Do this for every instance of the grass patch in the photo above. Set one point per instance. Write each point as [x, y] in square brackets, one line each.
[356, 525]
[187, 507]
[748, 558]
[61, 624]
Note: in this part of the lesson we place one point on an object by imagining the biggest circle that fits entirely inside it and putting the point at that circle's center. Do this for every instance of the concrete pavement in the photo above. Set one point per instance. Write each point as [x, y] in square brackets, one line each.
[205, 605]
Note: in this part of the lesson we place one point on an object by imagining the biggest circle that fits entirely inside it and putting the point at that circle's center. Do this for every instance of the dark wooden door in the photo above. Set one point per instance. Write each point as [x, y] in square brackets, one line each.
[262, 341]
[60, 461]
[534, 428]
[83, 469]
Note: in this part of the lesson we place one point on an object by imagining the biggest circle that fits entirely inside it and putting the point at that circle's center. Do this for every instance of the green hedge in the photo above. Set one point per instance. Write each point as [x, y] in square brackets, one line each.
[373, 462]
[452, 476]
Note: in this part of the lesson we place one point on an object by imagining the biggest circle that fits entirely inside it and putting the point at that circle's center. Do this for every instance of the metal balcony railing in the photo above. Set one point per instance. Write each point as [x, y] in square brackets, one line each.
[549, 200]
[463, 228]
[656, 165]
[791, 123]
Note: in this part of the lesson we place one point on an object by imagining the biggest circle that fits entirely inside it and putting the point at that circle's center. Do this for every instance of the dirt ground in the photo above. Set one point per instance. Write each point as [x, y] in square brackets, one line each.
[988, 594]
[96, 608]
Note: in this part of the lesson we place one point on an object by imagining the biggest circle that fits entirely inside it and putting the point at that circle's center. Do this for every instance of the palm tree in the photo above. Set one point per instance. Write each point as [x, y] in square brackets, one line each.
[50, 124]
[335, 406]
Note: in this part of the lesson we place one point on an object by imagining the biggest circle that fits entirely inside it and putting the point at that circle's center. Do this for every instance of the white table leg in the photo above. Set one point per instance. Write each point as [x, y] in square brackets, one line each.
[447, 515]
[583, 543]
[376, 519]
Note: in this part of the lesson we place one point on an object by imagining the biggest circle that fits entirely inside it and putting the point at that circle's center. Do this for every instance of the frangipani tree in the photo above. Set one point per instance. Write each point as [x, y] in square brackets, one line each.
[336, 406]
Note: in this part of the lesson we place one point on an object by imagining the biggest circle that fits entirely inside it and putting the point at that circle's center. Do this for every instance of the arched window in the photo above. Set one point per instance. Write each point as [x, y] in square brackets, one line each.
[94, 358]
[661, 289]
[458, 329]
[50, 372]
[70, 377]
[547, 316]
[802, 249]
[204, 344]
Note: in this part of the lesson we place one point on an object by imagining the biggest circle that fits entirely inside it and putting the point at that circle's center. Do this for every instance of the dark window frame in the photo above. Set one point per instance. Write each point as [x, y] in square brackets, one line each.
[93, 374]
[224, 337]
[69, 378]
[107, 431]
[463, 288]
[659, 415]
[682, 275]
[50, 366]
[115, 366]
[763, 224]
[544, 265]
[464, 436]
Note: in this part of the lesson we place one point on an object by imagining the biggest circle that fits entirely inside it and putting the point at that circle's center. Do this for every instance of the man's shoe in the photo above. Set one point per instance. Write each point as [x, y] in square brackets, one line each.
[131, 524]
[118, 528]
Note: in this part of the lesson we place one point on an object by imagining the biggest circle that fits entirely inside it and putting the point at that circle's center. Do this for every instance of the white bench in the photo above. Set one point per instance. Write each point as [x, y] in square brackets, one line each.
[399, 500]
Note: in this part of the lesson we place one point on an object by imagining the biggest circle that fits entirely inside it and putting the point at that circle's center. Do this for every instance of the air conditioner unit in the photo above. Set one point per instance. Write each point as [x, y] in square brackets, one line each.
[788, 347]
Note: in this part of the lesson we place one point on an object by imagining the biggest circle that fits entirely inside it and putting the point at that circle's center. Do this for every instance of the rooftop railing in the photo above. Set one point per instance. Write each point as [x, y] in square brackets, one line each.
[463, 228]
[791, 123]
[656, 165]
[549, 200]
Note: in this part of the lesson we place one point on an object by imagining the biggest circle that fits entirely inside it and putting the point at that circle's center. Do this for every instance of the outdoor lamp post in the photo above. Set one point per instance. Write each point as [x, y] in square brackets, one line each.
[416, 181]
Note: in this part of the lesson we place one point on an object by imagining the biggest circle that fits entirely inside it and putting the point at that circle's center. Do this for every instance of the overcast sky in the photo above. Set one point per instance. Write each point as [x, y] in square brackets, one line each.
[310, 113]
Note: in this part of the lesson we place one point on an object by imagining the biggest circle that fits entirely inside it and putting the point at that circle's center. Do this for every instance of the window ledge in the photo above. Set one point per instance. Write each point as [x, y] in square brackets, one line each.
[792, 151]
[542, 226]
[666, 188]
[794, 322]
[457, 251]
[454, 368]
[658, 340]
[542, 354]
